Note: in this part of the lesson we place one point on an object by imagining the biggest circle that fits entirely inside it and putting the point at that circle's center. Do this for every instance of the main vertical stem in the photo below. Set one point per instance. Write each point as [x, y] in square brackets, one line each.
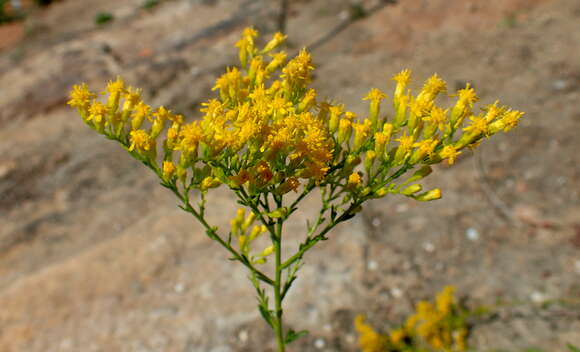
[279, 326]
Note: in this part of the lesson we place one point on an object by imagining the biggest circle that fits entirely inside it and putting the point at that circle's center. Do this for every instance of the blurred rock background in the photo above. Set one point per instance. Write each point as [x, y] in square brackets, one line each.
[95, 256]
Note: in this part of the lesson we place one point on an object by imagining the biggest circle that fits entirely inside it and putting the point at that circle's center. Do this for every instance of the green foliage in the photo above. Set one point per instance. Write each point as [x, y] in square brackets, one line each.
[5, 16]
[43, 2]
[103, 18]
[150, 4]
[510, 20]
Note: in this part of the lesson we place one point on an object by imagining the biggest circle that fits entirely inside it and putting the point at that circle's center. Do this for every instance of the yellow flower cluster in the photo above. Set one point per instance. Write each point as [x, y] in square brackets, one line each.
[369, 340]
[437, 326]
[239, 228]
[267, 132]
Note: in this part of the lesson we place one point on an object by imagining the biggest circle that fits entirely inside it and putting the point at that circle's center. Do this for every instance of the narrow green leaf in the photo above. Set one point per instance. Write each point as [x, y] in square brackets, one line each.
[293, 336]
[266, 315]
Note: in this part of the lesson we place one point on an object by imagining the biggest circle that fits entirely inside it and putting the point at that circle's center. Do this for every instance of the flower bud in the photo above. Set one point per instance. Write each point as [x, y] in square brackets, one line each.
[362, 131]
[419, 175]
[279, 213]
[291, 184]
[168, 170]
[401, 115]
[243, 243]
[381, 139]
[381, 192]
[402, 79]
[278, 39]
[307, 102]
[344, 131]
[370, 160]
[248, 221]
[267, 251]
[354, 180]
[209, 182]
[411, 189]
[257, 231]
[375, 96]
[429, 195]
[335, 113]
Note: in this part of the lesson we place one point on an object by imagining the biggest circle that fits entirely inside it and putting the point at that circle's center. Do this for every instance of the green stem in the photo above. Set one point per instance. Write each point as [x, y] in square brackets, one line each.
[279, 326]
[214, 236]
[311, 242]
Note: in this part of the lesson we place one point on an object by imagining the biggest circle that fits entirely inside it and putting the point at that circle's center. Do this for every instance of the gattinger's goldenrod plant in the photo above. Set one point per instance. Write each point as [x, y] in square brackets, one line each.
[269, 140]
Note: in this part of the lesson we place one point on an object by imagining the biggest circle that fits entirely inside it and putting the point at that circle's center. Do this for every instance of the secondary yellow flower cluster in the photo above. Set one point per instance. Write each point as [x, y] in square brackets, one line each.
[369, 340]
[240, 226]
[438, 326]
[268, 132]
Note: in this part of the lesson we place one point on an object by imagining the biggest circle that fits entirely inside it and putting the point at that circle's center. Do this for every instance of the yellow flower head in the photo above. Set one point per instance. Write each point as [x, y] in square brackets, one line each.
[437, 117]
[344, 130]
[511, 119]
[80, 96]
[354, 180]
[229, 85]
[467, 96]
[433, 86]
[421, 107]
[427, 146]
[493, 111]
[369, 340]
[209, 182]
[246, 45]
[132, 98]
[278, 39]
[335, 113]
[298, 70]
[361, 132]
[98, 112]
[212, 108]
[397, 336]
[250, 33]
[450, 153]
[264, 172]
[291, 184]
[168, 170]
[445, 300]
[405, 142]
[116, 87]
[308, 101]
[278, 60]
[140, 141]
[381, 141]
[375, 95]
[140, 112]
[162, 114]
[190, 135]
[242, 177]
[314, 170]
[479, 125]
[403, 77]
[404, 148]
[280, 107]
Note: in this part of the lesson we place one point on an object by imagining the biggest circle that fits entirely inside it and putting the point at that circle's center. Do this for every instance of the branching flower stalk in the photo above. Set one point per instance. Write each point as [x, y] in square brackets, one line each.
[270, 140]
